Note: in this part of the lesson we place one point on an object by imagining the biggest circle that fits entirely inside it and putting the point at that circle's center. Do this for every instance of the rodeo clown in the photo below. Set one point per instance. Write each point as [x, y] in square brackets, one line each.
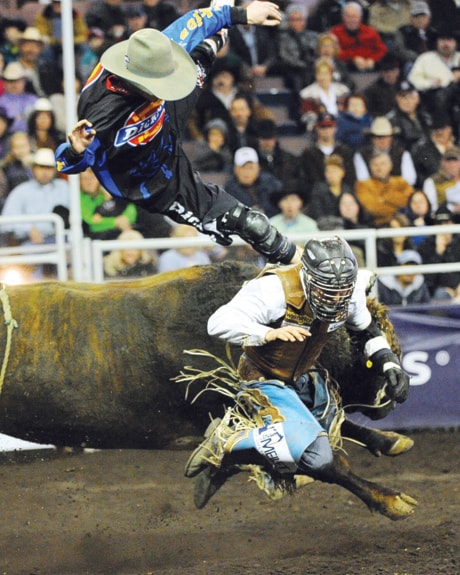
[132, 112]
[283, 319]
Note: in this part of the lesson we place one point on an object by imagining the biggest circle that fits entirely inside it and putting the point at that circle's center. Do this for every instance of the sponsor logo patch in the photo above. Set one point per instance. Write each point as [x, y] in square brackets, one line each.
[142, 125]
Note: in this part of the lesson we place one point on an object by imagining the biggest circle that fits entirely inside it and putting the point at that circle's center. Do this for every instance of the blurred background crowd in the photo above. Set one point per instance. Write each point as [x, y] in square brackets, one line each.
[347, 116]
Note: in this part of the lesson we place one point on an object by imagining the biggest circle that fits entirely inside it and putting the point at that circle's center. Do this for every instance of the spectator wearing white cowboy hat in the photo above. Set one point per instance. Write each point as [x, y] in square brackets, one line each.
[15, 100]
[381, 135]
[43, 194]
[133, 110]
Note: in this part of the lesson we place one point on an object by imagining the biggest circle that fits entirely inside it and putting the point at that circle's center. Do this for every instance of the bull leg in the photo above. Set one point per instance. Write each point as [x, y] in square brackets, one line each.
[392, 504]
[376, 441]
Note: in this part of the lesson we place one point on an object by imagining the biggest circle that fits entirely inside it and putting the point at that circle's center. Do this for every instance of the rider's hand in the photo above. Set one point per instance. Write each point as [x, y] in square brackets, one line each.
[387, 364]
[263, 13]
[81, 136]
[287, 333]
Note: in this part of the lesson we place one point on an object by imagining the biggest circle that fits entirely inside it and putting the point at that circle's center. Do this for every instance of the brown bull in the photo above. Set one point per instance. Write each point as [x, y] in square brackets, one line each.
[92, 364]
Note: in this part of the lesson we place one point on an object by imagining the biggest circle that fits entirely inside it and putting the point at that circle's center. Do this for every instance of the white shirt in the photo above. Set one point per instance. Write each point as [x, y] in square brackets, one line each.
[431, 71]
[408, 171]
[245, 319]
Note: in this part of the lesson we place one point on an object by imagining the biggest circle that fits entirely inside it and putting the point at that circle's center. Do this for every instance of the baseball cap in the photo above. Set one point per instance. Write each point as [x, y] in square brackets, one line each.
[96, 33]
[443, 215]
[409, 257]
[216, 124]
[405, 87]
[245, 155]
[419, 8]
[452, 153]
[325, 119]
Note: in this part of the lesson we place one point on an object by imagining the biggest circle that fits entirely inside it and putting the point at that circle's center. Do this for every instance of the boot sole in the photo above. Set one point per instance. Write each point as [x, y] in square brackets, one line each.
[197, 461]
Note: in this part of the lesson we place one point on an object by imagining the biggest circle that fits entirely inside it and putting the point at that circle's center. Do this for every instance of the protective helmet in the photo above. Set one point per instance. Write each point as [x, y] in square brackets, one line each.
[328, 275]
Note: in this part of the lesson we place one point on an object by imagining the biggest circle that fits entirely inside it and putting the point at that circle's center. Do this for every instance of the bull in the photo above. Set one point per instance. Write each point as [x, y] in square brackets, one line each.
[92, 365]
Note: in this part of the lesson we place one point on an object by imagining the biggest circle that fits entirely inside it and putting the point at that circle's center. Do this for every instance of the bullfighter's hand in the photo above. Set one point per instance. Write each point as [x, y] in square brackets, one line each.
[287, 333]
[81, 136]
[263, 13]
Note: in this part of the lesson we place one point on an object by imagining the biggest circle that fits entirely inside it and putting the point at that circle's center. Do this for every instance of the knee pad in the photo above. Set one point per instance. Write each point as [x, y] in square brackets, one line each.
[317, 456]
[255, 228]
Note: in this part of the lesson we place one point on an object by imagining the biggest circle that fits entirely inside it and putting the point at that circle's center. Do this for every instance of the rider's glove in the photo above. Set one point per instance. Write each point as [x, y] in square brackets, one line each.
[387, 364]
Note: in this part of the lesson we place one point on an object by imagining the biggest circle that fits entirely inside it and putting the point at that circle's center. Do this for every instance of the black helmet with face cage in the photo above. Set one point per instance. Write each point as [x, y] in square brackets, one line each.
[328, 274]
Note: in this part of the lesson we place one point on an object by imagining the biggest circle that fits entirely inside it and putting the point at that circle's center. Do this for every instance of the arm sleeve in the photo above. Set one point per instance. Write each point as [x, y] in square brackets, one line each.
[408, 169]
[197, 25]
[247, 317]
[69, 162]
[360, 323]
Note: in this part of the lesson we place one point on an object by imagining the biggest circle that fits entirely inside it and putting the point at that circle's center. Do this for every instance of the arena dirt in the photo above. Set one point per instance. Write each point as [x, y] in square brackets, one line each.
[131, 513]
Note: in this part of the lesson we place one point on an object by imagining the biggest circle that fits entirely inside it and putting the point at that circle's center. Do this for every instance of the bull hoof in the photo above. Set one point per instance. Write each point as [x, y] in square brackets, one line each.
[398, 506]
[391, 444]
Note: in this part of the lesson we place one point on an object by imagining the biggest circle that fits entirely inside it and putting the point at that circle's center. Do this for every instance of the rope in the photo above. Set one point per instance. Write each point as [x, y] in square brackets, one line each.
[10, 324]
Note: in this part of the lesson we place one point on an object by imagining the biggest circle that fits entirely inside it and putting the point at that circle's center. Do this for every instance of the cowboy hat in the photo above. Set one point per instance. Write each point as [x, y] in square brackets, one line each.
[381, 127]
[154, 64]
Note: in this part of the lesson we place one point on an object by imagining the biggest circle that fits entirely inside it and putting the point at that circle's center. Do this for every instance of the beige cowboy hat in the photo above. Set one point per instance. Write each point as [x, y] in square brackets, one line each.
[153, 63]
[381, 127]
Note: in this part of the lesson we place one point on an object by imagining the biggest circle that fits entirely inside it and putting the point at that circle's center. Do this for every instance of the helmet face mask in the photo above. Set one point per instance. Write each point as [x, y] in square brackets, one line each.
[328, 276]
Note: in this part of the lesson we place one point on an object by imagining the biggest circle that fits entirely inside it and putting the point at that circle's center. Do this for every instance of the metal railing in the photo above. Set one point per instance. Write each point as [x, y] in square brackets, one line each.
[39, 253]
[93, 251]
[368, 236]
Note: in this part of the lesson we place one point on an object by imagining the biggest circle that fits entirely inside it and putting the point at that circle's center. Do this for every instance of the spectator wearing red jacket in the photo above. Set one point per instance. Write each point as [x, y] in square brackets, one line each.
[361, 46]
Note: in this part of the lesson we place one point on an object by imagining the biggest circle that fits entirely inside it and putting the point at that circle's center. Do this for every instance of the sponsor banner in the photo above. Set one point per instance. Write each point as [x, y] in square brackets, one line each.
[430, 341]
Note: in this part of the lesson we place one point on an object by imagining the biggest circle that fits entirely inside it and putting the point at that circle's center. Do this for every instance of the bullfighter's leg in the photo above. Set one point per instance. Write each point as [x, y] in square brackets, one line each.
[255, 228]
[376, 441]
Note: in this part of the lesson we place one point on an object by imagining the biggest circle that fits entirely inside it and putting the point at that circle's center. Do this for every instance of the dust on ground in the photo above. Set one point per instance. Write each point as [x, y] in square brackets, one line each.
[130, 512]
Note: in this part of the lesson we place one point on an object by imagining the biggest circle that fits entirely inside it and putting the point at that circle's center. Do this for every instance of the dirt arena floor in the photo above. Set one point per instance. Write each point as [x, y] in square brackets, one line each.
[131, 513]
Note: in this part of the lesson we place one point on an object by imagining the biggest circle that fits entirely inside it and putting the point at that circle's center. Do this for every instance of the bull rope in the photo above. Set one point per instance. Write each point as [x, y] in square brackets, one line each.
[11, 324]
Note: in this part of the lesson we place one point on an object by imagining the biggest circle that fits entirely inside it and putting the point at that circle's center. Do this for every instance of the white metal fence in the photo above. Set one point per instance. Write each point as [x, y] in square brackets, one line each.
[40, 253]
[93, 251]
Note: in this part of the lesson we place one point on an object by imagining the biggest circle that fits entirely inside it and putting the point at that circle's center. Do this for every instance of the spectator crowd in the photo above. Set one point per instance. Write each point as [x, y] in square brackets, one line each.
[370, 93]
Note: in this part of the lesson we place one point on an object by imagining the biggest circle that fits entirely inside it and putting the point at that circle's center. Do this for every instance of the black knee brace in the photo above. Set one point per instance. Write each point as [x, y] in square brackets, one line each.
[255, 228]
[206, 51]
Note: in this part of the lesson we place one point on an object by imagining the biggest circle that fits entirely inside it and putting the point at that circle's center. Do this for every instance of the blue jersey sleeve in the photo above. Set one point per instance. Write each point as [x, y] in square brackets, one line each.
[197, 25]
[66, 167]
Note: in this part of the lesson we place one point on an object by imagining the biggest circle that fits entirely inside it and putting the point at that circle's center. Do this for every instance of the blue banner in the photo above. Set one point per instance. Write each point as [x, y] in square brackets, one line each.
[430, 341]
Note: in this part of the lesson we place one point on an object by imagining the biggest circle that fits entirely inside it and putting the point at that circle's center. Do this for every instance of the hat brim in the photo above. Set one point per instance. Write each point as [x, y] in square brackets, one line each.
[177, 85]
